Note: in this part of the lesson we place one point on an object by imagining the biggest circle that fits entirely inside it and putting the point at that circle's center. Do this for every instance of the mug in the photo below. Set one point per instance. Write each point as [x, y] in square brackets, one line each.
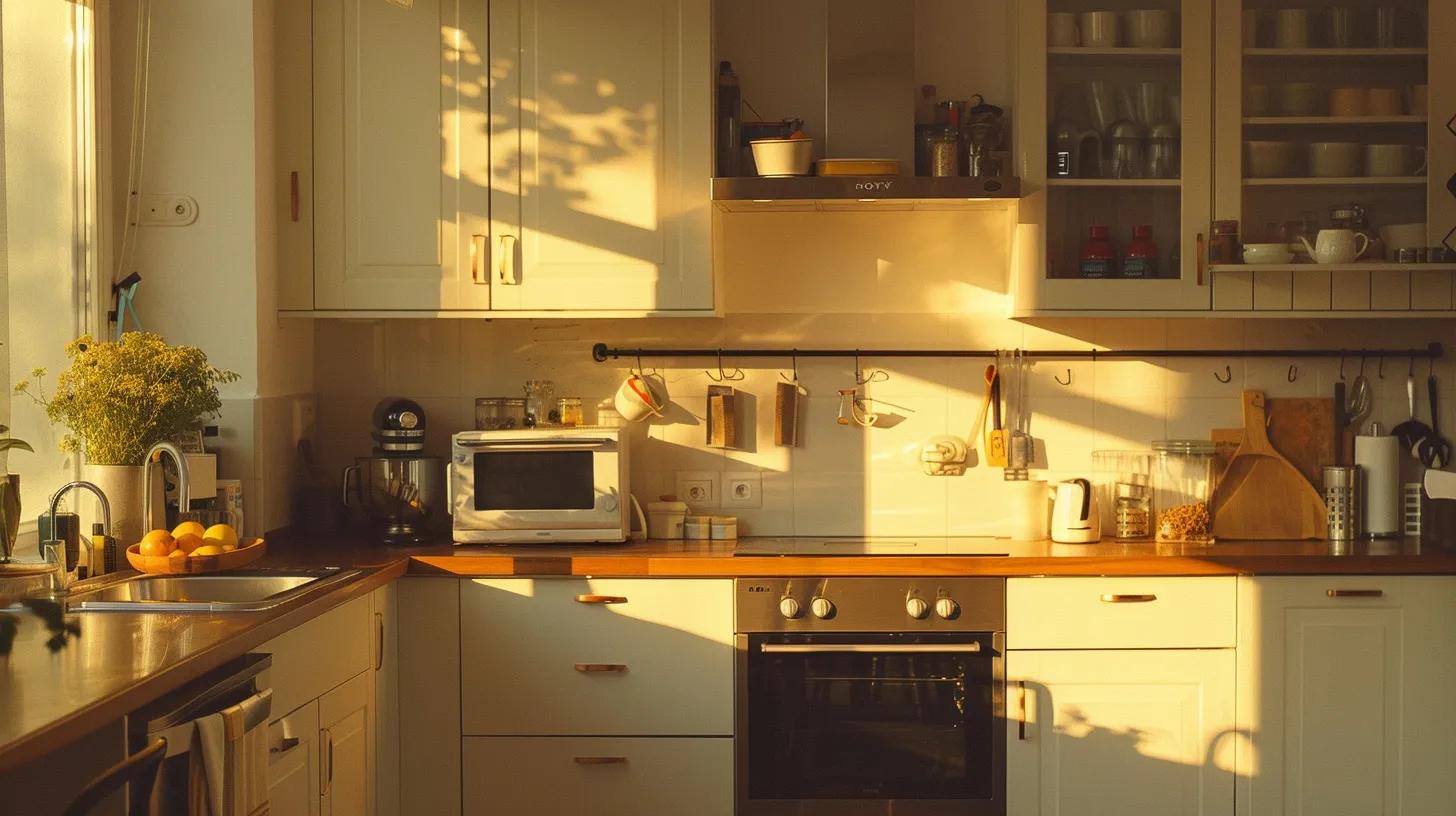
[1341, 27]
[1417, 94]
[1062, 29]
[1256, 100]
[1099, 29]
[1150, 28]
[1384, 102]
[1402, 236]
[1334, 159]
[639, 397]
[1299, 99]
[1349, 101]
[1268, 159]
[1291, 28]
[1394, 160]
[1030, 510]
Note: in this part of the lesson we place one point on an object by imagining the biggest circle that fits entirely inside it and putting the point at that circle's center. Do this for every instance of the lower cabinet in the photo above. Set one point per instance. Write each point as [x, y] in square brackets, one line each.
[1109, 732]
[1347, 706]
[346, 749]
[598, 776]
[293, 763]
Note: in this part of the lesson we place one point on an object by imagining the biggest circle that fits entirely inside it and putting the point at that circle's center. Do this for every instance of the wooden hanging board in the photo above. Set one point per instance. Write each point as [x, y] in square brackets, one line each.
[1262, 495]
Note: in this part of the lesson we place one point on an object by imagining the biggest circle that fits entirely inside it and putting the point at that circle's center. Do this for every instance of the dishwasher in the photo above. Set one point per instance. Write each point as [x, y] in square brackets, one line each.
[174, 718]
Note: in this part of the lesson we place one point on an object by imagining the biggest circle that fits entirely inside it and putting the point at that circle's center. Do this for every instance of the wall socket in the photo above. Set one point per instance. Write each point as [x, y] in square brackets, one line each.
[699, 488]
[743, 489]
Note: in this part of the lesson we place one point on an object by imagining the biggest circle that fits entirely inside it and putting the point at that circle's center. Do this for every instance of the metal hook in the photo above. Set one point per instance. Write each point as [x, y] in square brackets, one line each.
[1411, 371]
[1059, 379]
[1342, 365]
[1362, 362]
[793, 361]
[860, 378]
[1380, 369]
[1293, 372]
[723, 375]
[1228, 371]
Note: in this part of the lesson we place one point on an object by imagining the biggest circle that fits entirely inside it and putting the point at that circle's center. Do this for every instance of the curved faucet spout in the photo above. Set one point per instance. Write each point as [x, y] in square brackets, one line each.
[184, 479]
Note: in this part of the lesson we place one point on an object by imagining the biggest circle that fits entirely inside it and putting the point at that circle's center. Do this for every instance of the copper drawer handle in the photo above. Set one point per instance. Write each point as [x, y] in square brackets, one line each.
[1355, 593]
[293, 196]
[1021, 720]
[601, 599]
[600, 760]
[1202, 252]
[477, 261]
[1110, 598]
[595, 668]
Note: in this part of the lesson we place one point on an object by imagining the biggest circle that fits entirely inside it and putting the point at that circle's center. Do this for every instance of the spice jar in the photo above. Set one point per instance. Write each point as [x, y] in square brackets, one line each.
[1098, 259]
[1124, 483]
[1140, 260]
[1223, 247]
[944, 148]
[541, 403]
[1183, 485]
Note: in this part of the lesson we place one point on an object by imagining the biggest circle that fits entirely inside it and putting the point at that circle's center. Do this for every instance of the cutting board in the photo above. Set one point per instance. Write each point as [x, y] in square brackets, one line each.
[1262, 495]
[1303, 429]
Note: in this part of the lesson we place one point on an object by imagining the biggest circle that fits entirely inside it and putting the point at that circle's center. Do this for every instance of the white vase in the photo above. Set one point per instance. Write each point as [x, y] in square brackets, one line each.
[124, 489]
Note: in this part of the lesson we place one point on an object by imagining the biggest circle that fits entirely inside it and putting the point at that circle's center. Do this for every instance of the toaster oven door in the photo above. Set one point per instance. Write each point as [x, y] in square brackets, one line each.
[567, 488]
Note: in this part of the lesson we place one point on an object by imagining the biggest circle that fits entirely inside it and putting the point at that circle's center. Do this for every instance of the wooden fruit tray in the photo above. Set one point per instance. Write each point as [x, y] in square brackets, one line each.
[166, 565]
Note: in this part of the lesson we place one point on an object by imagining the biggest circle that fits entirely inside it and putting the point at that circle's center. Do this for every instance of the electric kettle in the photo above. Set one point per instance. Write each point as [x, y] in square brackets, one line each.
[1075, 517]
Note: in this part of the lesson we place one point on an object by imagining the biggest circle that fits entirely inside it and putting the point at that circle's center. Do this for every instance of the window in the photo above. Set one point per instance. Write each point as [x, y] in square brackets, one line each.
[49, 247]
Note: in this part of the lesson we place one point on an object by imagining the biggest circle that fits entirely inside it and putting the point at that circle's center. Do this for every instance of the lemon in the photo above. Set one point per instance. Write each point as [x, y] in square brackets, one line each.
[208, 549]
[188, 541]
[177, 553]
[224, 533]
[157, 543]
[188, 528]
[228, 548]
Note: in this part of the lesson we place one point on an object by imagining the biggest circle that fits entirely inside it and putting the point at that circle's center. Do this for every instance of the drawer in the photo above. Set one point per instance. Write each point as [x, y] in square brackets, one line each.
[318, 655]
[596, 657]
[598, 776]
[1120, 613]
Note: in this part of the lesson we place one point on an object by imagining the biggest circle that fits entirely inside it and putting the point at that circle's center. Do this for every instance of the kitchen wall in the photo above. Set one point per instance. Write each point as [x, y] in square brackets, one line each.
[927, 279]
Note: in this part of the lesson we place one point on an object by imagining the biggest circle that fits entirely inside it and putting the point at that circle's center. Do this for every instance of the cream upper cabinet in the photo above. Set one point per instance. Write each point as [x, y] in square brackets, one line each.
[1116, 732]
[399, 126]
[1345, 695]
[1114, 111]
[599, 161]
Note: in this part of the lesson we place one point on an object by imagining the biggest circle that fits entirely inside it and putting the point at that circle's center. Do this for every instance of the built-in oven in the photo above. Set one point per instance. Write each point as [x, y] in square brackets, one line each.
[871, 696]
[539, 485]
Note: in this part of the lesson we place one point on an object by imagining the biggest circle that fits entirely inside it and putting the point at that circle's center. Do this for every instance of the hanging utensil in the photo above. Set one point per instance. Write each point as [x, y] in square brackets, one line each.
[996, 440]
[1412, 431]
[1359, 403]
[1433, 451]
[1018, 455]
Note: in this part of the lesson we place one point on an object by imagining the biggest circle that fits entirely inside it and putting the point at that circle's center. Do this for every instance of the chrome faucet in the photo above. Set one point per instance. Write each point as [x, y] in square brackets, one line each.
[54, 550]
[184, 488]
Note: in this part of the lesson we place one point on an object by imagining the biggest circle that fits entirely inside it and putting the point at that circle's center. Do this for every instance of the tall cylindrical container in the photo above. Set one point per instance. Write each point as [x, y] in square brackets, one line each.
[1377, 454]
[1342, 501]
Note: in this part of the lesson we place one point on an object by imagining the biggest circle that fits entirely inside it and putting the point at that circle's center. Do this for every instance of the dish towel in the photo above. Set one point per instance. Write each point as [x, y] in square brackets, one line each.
[234, 760]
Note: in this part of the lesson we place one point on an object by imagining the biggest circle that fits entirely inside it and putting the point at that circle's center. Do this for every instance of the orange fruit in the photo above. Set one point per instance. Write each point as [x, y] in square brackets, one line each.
[188, 527]
[208, 549]
[187, 542]
[177, 553]
[156, 543]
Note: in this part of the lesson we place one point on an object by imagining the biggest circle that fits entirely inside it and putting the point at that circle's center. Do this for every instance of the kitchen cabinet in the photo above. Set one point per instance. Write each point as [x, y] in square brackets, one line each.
[600, 155]
[1345, 701]
[595, 776]
[384, 604]
[346, 749]
[1110, 732]
[428, 646]
[293, 763]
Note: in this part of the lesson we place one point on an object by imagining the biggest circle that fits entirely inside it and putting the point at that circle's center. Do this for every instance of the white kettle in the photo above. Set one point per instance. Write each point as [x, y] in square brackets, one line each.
[1336, 246]
[1075, 516]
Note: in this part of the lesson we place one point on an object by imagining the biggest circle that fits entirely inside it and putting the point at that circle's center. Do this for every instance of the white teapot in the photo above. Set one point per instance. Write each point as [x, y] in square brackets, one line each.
[1336, 246]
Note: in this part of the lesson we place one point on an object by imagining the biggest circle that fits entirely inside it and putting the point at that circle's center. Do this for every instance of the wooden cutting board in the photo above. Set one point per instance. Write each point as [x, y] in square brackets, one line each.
[1303, 429]
[1262, 495]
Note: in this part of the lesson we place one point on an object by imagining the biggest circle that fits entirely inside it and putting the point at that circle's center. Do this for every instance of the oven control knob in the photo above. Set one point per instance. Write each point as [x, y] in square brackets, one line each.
[822, 607]
[789, 608]
[917, 608]
[947, 608]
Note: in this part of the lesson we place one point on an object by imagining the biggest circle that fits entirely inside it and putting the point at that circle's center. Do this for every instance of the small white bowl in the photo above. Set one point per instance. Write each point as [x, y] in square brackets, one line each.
[777, 158]
[1267, 254]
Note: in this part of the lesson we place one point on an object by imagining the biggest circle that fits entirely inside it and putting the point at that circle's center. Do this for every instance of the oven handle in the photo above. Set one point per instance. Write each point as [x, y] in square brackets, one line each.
[872, 648]
[537, 445]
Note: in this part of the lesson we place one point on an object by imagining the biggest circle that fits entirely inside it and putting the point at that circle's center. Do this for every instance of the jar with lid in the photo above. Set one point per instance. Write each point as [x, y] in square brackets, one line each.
[568, 410]
[541, 403]
[1223, 246]
[1183, 483]
[1098, 259]
[1124, 484]
[499, 413]
[1140, 259]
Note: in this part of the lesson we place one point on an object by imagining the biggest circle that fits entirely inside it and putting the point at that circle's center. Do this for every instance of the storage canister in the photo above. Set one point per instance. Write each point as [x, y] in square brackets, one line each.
[665, 518]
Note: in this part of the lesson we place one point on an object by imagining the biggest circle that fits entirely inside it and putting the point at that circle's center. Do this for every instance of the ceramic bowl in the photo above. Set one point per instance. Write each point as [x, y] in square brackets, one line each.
[1267, 254]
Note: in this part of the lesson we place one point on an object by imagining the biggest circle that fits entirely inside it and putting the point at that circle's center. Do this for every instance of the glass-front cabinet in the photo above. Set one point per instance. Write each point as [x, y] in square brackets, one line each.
[1116, 174]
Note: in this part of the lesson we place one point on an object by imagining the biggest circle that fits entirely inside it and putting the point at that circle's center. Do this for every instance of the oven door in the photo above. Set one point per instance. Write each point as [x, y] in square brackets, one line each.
[908, 724]
[566, 487]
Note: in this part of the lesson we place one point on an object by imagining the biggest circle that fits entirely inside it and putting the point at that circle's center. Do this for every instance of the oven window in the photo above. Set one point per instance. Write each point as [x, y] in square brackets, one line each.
[535, 480]
[839, 725]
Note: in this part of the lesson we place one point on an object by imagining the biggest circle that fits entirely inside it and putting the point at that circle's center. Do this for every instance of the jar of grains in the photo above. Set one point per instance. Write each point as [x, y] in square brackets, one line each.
[1183, 482]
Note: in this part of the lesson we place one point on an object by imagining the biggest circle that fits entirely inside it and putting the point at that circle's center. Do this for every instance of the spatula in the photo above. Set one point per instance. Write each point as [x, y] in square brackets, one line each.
[1412, 430]
[1263, 495]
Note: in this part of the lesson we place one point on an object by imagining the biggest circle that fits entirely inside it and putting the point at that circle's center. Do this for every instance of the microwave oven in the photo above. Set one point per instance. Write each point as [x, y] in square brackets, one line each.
[539, 485]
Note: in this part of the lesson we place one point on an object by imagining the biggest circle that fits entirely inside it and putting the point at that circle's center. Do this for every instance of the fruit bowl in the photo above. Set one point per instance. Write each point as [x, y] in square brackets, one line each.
[244, 555]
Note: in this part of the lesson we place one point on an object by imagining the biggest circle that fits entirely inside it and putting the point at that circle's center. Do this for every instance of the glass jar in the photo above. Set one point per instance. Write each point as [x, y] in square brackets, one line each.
[568, 409]
[1183, 482]
[541, 403]
[499, 413]
[1124, 486]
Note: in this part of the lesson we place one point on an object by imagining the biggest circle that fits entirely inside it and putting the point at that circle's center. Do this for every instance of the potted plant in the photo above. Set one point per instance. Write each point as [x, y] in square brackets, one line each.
[117, 399]
[9, 495]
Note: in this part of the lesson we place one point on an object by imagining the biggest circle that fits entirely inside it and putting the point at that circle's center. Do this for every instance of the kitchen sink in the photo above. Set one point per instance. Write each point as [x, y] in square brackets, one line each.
[242, 591]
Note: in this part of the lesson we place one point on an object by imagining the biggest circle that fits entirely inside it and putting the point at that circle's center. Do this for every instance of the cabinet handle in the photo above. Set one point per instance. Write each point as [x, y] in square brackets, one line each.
[1110, 598]
[508, 273]
[600, 760]
[601, 599]
[328, 765]
[1202, 251]
[379, 653]
[477, 261]
[1355, 593]
[293, 196]
[284, 745]
[1021, 717]
[594, 668]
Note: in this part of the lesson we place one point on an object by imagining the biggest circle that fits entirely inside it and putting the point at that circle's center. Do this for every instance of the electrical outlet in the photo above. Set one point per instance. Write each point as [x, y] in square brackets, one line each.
[699, 488]
[743, 489]
[167, 210]
[304, 419]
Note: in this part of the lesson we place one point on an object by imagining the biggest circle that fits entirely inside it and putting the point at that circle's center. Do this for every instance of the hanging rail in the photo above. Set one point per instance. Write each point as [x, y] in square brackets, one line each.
[602, 353]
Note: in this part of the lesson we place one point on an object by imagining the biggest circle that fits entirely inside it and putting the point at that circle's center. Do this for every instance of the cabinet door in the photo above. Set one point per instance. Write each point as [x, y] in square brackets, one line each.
[292, 134]
[598, 776]
[1345, 695]
[385, 682]
[1113, 732]
[398, 103]
[600, 148]
[346, 717]
[293, 763]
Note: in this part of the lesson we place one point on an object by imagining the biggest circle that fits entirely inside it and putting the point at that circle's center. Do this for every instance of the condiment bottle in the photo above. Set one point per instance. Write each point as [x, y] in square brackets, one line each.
[1223, 248]
[1140, 260]
[1098, 258]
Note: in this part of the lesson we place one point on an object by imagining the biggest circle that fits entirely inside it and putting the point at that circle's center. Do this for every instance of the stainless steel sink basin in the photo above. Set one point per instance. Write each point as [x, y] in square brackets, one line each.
[243, 591]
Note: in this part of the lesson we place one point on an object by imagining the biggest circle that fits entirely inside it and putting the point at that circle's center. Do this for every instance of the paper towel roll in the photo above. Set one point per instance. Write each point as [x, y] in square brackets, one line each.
[1378, 458]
